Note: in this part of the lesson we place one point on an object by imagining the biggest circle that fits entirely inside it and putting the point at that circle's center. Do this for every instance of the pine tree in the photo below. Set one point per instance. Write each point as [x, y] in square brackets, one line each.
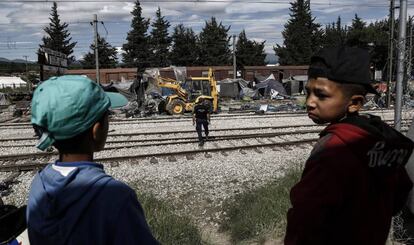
[213, 44]
[377, 34]
[137, 52]
[184, 46]
[58, 37]
[357, 33]
[249, 53]
[160, 41]
[302, 37]
[260, 55]
[107, 55]
[335, 34]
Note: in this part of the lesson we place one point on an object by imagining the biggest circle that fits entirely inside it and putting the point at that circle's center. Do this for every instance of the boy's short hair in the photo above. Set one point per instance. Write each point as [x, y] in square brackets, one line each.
[348, 66]
[67, 106]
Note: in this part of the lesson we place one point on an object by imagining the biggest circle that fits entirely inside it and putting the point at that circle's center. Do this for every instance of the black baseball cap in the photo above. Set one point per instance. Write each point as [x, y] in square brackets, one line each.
[343, 65]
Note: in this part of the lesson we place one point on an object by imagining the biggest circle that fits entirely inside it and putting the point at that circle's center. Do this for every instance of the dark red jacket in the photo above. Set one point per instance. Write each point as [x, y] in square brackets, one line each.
[353, 183]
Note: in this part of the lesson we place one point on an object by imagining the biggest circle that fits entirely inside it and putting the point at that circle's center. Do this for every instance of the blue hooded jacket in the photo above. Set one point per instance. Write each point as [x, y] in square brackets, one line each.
[77, 203]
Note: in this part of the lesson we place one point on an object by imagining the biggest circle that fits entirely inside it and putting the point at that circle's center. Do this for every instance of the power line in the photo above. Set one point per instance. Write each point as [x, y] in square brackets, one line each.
[204, 1]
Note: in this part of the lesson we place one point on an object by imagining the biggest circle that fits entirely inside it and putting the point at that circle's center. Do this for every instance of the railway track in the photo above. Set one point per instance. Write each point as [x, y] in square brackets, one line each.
[30, 166]
[184, 118]
[168, 143]
[165, 142]
[46, 156]
[172, 132]
[173, 119]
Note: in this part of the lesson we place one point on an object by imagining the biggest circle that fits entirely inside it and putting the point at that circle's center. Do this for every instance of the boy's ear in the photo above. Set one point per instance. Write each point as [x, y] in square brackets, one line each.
[97, 131]
[99, 135]
[355, 103]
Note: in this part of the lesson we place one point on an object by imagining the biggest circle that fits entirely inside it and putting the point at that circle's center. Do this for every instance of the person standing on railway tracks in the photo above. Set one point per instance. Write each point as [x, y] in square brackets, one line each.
[73, 200]
[201, 118]
[355, 179]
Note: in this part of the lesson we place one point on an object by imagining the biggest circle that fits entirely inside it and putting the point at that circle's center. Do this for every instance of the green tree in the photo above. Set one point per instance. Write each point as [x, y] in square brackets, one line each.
[137, 52]
[249, 53]
[357, 33]
[302, 36]
[184, 46]
[107, 55]
[213, 44]
[58, 37]
[335, 34]
[160, 41]
[377, 35]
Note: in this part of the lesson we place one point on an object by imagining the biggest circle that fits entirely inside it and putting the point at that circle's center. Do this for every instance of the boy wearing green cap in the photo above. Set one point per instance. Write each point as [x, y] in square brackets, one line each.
[73, 201]
[355, 179]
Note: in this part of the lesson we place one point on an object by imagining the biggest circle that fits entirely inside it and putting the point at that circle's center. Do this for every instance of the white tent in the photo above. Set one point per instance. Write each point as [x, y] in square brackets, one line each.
[11, 82]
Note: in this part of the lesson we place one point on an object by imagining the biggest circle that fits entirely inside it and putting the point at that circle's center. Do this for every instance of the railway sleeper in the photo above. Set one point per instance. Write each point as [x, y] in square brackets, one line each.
[224, 153]
[172, 159]
[272, 140]
[257, 150]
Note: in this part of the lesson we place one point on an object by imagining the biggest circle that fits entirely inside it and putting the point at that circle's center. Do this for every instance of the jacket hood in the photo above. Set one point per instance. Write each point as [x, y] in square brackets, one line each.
[63, 188]
[374, 141]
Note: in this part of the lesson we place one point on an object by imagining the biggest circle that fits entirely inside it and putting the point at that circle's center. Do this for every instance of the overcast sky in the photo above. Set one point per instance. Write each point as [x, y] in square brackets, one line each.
[22, 22]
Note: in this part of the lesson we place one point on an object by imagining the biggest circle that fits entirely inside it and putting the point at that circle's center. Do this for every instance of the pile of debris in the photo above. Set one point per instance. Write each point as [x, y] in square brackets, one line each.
[14, 111]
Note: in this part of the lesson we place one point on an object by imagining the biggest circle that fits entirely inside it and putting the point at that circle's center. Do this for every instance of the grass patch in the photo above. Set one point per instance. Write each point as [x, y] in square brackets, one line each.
[166, 226]
[257, 213]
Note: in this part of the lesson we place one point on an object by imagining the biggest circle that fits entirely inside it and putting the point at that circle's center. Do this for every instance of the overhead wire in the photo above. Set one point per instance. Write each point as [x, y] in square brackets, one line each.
[329, 4]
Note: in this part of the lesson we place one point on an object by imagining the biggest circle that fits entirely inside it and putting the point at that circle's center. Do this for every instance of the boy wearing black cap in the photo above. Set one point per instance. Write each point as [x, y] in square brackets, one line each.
[73, 201]
[354, 180]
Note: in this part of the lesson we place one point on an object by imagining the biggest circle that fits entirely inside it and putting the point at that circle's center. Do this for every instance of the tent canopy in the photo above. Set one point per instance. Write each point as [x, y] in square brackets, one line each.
[11, 82]
[267, 85]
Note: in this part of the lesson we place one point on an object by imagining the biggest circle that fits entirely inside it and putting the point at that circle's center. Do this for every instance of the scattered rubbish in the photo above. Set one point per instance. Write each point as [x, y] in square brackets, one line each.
[263, 108]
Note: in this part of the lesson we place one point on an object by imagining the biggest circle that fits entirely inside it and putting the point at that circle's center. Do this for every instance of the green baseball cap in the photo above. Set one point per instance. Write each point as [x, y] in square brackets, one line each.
[66, 106]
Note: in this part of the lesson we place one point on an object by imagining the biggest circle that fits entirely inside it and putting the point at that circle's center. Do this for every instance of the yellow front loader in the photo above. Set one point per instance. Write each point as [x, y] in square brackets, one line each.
[187, 94]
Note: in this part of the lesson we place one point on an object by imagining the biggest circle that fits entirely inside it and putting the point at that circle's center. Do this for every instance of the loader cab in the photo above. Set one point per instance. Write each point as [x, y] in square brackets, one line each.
[197, 88]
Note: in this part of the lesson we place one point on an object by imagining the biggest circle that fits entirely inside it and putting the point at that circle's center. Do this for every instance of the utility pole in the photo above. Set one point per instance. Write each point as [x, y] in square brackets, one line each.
[400, 66]
[409, 68]
[95, 28]
[234, 57]
[391, 50]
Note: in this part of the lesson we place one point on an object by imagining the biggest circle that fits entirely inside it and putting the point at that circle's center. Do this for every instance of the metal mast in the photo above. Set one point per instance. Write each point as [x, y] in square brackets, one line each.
[401, 59]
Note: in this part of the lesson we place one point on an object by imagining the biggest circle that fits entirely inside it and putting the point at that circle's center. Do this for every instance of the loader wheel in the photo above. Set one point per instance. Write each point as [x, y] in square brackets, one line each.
[176, 107]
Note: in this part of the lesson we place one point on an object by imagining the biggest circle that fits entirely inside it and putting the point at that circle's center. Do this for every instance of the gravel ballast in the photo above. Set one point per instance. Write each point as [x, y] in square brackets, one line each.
[198, 184]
